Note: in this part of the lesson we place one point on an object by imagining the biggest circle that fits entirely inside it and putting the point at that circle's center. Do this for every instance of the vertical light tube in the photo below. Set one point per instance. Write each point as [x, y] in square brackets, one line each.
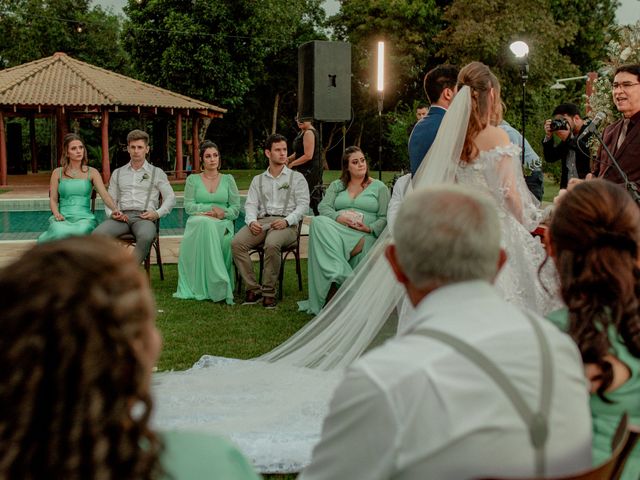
[380, 66]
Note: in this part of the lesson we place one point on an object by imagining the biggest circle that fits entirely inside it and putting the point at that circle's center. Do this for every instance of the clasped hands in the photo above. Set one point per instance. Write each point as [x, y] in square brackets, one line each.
[356, 225]
[256, 227]
[151, 215]
[215, 212]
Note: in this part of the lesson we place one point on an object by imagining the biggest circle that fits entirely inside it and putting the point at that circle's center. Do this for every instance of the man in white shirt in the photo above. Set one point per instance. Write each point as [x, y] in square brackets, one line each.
[276, 202]
[419, 407]
[136, 189]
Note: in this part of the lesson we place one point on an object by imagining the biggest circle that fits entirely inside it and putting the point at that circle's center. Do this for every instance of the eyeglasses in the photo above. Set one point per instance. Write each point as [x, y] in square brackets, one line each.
[624, 85]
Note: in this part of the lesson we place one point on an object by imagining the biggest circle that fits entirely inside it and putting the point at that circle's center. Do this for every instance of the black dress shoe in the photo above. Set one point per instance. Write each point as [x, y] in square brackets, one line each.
[252, 297]
[269, 302]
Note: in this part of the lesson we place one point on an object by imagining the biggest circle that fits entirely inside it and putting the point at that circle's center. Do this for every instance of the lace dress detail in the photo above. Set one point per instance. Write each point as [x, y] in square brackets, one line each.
[498, 173]
[271, 411]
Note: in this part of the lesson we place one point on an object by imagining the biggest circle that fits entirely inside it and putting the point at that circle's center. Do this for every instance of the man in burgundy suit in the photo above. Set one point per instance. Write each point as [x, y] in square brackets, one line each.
[623, 137]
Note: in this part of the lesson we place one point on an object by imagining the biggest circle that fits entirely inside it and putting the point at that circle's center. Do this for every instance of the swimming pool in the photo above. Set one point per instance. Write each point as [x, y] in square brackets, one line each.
[27, 225]
[27, 219]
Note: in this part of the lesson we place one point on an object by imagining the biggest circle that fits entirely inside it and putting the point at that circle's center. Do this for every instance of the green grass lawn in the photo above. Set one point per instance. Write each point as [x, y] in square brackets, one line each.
[551, 189]
[191, 328]
[4, 190]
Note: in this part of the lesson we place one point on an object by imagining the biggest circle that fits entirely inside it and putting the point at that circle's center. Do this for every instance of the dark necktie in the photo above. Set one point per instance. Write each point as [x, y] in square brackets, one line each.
[623, 133]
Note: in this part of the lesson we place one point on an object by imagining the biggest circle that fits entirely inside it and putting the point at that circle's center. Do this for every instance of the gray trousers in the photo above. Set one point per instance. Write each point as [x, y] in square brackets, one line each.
[143, 230]
[272, 241]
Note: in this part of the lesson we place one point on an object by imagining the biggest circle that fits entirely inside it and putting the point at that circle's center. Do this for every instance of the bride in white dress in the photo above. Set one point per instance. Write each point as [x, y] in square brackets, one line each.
[272, 407]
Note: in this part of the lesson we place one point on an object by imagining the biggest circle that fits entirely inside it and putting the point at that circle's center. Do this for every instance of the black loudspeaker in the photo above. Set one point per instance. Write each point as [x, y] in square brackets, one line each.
[324, 81]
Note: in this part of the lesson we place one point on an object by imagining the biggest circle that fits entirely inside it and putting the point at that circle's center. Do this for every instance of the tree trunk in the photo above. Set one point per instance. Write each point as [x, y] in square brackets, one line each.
[204, 126]
[325, 164]
[359, 137]
[251, 158]
[274, 119]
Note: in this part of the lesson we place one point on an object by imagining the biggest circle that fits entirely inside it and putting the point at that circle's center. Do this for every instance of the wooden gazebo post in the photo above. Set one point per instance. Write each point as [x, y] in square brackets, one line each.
[3, 153]
[179, 166]
[32, 143]
[196, 144]
[106, 168]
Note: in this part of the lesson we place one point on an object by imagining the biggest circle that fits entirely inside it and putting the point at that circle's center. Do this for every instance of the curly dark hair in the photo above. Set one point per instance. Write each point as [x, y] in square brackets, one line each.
[75, 394]
[594, 237]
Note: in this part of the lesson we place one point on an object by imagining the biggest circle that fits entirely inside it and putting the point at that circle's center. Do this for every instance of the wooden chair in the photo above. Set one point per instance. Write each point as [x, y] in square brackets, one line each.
[129, 240]
[622, 444]
[293, 249]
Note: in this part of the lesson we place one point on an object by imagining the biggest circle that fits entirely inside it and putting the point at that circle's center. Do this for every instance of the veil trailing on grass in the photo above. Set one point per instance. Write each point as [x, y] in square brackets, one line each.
[349, 323]
[272, 407]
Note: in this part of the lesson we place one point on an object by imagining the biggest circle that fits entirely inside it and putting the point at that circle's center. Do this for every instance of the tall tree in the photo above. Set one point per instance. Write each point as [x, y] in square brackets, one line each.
[483, 30]
[39, 28]
[238, 54]
[595, 25]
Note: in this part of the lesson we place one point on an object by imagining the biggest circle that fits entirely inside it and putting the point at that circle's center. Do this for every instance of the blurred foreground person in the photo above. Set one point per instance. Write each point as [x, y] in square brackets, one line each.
[593, 239]
[78, 332]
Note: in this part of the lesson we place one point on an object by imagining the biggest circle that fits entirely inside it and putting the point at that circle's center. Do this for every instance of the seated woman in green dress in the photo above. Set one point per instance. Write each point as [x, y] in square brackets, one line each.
[593, 239]
[205, 263]
[78, 329]
[70, 193]
[353, 213]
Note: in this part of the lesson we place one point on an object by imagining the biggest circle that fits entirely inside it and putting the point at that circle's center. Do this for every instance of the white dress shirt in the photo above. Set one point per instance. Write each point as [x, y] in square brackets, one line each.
[275, 190]
[129, 189]
[401, 189]
[416, 409]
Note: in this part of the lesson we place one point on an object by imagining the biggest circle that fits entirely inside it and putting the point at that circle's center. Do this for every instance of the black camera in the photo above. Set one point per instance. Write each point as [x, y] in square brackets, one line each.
[559, 124]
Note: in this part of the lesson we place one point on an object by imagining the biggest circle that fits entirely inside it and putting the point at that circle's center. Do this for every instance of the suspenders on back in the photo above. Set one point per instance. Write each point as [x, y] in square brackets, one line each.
[537, 422]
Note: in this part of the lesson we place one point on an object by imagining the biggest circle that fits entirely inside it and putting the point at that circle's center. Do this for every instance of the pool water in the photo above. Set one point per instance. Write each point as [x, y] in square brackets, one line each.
[28, 225]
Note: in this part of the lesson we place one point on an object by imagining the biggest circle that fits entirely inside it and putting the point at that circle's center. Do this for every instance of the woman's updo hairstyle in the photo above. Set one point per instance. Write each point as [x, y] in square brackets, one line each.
[480, 81]
[594, 237]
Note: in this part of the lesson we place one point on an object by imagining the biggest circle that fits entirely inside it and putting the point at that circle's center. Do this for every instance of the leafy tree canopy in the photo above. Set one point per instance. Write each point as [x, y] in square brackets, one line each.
[214, 51]
[33, 29]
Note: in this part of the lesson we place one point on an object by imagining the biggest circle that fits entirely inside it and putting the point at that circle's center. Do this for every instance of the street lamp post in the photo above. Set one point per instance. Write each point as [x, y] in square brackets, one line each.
[521, 52]
[380, 90]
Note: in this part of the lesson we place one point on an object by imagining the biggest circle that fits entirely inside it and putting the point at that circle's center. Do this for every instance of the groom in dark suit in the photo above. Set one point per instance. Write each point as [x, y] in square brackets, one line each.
[440, 87]
[623, 136]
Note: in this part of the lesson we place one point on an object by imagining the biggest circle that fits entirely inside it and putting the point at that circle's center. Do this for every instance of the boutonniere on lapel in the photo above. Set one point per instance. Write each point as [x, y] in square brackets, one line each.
[284, 186]
[144, 177]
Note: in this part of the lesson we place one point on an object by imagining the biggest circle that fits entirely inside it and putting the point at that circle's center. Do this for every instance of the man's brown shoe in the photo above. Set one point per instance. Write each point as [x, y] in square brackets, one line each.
[269, 302]
[252, 297]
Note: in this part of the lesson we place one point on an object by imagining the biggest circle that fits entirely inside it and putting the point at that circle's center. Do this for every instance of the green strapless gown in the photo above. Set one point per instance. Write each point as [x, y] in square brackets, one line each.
[74, 196]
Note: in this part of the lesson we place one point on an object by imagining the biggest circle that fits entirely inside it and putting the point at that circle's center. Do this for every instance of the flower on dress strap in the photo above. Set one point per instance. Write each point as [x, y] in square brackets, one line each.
[284, 186]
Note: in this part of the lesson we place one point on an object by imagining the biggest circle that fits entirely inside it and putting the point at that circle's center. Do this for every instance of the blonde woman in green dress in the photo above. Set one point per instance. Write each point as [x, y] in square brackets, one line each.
[70, 193]
[353, 213]
[593, 239]
[205, 263]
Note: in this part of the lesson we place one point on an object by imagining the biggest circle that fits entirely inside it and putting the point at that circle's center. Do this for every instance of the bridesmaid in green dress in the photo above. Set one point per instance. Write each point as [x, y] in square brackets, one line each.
[205, 263]
[353, 213]
[593, 240]
[70, 193]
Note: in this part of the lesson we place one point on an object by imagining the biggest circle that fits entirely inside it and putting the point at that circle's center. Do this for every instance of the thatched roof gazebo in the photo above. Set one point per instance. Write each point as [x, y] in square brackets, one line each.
[66, 88]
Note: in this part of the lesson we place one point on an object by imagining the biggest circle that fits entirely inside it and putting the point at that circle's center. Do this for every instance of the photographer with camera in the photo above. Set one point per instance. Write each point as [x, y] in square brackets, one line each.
[567, 125]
